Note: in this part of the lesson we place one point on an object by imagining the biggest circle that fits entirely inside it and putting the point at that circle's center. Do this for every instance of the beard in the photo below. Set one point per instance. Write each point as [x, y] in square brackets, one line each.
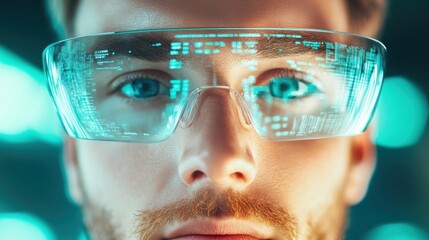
[328, 223]
[210, 203]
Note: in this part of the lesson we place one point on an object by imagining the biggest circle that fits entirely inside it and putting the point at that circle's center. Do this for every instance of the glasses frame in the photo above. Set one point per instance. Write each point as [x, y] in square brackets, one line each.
[51, 83]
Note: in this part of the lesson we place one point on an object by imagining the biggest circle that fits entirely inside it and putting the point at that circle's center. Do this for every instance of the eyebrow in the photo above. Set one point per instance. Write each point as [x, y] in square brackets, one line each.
[157, 47]
[147, 47]
[282, 47]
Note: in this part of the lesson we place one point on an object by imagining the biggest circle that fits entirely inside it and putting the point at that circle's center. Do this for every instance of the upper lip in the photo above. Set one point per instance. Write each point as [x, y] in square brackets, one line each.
[218, 227]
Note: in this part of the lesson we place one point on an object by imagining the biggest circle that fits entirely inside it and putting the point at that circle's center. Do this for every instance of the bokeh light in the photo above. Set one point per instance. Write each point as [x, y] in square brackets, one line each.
[22, 226]
[26, 112]
[397, 231]
[82, 236]
[402, 114]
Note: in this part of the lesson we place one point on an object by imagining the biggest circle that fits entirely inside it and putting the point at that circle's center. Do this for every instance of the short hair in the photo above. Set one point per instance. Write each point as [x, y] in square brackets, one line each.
[362, 12]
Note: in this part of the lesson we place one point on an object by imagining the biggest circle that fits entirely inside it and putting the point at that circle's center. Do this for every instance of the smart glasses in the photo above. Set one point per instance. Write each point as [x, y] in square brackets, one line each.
[289, 84]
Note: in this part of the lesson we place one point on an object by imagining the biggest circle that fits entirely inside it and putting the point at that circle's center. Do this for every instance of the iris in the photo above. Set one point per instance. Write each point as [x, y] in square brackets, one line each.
[141, 88]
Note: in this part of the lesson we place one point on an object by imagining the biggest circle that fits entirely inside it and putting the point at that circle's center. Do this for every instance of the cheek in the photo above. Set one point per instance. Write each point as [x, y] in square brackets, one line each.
[123, 174]
[309, 174]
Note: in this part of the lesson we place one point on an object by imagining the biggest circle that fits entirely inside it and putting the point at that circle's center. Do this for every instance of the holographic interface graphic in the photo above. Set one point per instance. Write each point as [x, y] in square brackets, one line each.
[289, 84]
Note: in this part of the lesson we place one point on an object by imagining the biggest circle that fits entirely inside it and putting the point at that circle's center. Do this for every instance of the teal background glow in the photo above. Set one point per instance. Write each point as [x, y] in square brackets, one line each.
[26, 112]
[32, 192]
[397, 231]
[21, 226]
[402, 113]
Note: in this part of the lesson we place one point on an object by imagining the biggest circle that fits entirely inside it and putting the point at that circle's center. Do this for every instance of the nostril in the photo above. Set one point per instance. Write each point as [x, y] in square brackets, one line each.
[239, 176]
[197, 175]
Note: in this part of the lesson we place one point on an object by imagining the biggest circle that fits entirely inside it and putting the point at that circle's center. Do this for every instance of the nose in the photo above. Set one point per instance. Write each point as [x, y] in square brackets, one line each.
[217, 151]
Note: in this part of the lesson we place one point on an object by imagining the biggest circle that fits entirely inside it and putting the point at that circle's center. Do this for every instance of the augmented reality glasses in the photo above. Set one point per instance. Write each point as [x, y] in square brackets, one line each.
[289, 84]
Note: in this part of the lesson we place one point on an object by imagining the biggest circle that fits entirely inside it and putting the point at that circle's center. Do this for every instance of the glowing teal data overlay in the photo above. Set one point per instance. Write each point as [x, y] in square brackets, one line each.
[289, 84]
[23, 226]
[403, 113]
[25, 110]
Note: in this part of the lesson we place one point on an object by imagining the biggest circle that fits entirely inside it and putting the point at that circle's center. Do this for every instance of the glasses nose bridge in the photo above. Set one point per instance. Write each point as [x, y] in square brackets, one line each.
[197, 96]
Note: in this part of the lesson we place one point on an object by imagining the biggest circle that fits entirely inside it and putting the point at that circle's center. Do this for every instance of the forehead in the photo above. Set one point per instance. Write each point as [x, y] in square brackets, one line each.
[95, 16]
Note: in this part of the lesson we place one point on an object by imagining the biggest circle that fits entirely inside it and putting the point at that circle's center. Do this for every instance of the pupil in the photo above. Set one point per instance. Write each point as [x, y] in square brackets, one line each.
[146, 88]
[284, 87]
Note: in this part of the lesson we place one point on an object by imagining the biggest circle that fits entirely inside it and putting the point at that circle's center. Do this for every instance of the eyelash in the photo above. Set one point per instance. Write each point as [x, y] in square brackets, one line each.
[281, 72]
[119, 82]
[267, 77]
[163, 78]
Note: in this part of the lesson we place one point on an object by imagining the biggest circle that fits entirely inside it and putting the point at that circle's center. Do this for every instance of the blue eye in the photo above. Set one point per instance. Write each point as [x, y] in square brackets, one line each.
[287, 88]
[141, 88]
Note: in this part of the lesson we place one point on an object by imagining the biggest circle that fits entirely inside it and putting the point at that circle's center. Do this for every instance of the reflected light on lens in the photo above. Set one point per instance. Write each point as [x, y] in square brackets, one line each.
[21, 226]
[402, 114]
[397, 231]
[26, 112]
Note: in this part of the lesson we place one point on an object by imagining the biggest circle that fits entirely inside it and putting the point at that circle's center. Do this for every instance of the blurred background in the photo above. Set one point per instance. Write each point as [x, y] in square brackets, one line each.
[33, 201]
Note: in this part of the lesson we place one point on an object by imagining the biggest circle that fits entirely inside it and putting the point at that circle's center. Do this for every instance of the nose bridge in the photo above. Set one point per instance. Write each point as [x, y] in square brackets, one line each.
[216, 117]
[222, 99]
[218, 151]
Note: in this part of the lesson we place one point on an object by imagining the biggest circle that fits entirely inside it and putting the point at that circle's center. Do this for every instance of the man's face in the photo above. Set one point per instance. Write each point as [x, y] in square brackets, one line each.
[216, 179]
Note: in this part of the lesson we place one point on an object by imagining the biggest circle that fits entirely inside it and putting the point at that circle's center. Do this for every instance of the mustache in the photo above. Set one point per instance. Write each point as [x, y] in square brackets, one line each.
[210, 203]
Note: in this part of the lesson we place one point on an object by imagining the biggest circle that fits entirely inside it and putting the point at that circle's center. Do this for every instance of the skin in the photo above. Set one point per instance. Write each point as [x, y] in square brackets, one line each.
[314, 180]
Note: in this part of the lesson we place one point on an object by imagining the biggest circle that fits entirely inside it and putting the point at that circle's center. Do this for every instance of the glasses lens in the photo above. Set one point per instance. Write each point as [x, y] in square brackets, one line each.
[134, 86]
